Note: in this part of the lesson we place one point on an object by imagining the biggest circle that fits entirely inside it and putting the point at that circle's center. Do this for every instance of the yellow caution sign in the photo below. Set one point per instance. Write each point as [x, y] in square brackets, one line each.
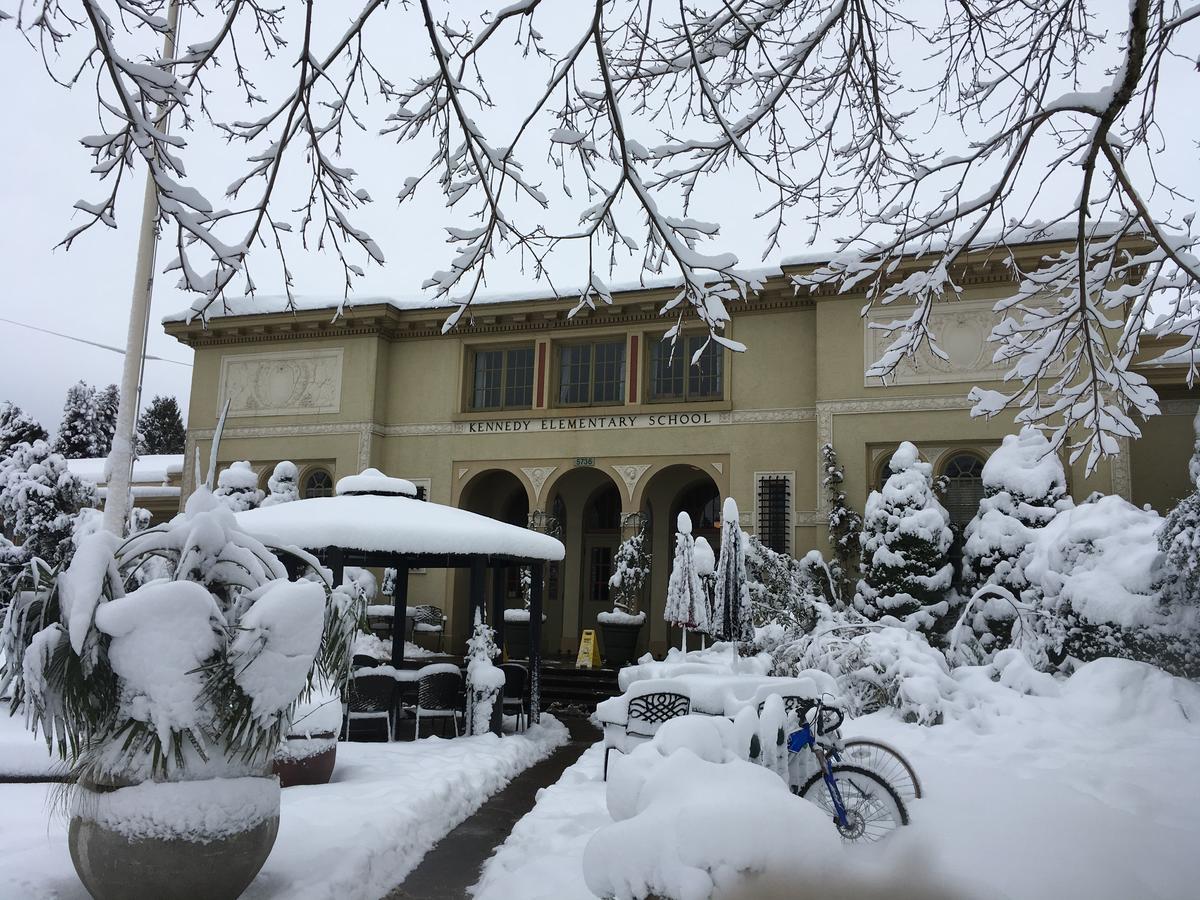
[589, 653]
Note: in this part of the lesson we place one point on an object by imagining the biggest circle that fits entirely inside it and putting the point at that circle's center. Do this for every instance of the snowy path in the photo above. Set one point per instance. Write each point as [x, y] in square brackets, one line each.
[353, 839]
[1092, 794]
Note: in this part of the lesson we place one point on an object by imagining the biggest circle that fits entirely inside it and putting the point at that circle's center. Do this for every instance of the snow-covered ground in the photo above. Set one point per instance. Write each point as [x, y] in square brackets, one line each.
[22, 754]
[1083, 788]
[357, 837]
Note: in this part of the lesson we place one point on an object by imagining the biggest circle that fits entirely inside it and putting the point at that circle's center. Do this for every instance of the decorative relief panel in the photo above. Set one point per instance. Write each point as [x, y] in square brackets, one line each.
[283, 384]
[961, 330]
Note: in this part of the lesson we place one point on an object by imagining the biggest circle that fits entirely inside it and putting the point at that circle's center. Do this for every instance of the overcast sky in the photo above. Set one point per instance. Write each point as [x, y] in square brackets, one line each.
[85, 291]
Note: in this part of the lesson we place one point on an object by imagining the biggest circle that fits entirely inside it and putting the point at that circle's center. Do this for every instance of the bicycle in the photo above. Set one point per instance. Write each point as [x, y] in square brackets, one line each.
[863, 805]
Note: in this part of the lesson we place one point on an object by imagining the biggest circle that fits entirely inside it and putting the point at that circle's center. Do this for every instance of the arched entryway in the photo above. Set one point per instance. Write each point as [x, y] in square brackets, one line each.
[586, 504]
[671, 490]
[497, 494]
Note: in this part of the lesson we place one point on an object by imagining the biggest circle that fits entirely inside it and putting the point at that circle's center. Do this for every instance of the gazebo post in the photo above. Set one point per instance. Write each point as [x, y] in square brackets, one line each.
[535, 641]
[499, 579]
[476, 589]
[337, 564]
[399, 614]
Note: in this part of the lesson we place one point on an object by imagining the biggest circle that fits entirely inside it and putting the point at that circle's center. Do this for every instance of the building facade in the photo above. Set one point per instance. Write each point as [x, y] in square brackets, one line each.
[590, 425]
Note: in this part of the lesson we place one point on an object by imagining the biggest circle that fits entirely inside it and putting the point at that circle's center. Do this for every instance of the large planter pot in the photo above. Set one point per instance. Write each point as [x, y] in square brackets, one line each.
[306, 760]
[516, 639]
[620, 643]
[174, 841]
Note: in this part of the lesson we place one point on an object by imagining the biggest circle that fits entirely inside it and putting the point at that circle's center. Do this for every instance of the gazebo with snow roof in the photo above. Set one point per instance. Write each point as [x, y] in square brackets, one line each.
[374, 521]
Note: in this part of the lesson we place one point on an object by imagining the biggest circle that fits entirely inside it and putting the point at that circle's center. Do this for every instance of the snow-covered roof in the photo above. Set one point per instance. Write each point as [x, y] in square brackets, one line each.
[152, 469]
[393, 524]
[263, 304]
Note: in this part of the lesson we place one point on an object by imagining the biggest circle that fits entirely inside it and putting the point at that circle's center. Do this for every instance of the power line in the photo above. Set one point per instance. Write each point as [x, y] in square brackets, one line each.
[71, 337]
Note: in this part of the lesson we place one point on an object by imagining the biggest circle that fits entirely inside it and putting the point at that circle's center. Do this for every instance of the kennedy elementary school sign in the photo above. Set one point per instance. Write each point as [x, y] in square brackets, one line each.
[594, 423]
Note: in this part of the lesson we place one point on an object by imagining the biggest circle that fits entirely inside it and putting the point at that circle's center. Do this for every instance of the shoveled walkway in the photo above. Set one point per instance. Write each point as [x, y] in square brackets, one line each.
[451, 867]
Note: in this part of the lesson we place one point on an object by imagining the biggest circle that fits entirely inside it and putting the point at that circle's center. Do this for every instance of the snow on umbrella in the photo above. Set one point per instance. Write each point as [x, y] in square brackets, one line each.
[685, 596]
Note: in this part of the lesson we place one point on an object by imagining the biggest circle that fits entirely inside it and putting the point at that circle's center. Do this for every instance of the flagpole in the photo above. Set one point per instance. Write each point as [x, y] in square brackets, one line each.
[120, 458]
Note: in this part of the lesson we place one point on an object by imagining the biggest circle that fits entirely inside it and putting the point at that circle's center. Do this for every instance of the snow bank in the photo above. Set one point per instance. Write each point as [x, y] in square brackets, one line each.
[1100, 560]
[201, 811]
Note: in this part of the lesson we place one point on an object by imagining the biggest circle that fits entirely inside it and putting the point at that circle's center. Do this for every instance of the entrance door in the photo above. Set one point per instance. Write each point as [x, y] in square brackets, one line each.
[598, 553]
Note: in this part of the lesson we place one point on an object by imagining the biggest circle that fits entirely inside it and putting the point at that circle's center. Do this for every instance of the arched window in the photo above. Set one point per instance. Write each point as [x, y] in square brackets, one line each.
[964, 487]
[882, 471]
[318, 483]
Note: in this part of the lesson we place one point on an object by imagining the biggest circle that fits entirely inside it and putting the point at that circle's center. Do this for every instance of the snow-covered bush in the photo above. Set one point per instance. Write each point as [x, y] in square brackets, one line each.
[845, 526]
[283, 484]
[237, 487]
[18, 427]
[732, 613]
[1025, 487]
[190, 675]
[631, 571]
[39, 501]
[1179, 541]
[786, 590]
[1093, 573]
[485, 680]
[686, 606]
[905, 541]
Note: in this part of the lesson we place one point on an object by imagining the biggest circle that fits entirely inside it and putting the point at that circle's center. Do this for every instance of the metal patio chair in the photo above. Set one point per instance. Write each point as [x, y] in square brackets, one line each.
[373, 697]
[439, 697]
[516, 692]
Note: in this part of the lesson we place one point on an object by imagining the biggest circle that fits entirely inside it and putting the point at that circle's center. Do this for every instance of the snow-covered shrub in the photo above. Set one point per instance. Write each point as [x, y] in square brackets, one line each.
[485, 680]
[1179, 541]
[39, 501]
[1025, 487]
[905, 541]
[283, 484]
[686, 606]
[18, 427]
[785, 590]
[108, 402]
[878, 666]
[1093, 572]
[237, 487]
[631, 571]
[845, 526]
[190, 675]
[732, 612]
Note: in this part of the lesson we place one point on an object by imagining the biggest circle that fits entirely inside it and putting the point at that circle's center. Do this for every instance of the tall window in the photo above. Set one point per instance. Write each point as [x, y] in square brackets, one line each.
[502, 379]
[775, 510]
[673, 377]
[319, 483]
[592, 373]
[964, 487]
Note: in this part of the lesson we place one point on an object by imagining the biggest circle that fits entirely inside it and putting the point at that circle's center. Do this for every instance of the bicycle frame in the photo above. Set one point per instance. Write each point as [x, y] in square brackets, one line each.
[798, 741]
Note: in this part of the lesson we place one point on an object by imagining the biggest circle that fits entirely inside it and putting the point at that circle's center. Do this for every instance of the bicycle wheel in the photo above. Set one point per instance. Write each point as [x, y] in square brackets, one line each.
[872, 808]
[887, 761]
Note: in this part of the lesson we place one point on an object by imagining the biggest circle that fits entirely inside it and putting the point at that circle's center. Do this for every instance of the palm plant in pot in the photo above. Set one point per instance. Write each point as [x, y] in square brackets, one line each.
[164, 668]
[621, 626]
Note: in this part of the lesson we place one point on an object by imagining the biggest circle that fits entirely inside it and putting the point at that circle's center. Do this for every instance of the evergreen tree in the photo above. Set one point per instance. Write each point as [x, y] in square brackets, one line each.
[18, 427]
[905, 541]
[686, 607]
[160, 428]
[108, 401]
[79, 435]
[237, 487]
[845, 525]
[39, 500]
[731, 601]
[283, 484]
[1179, 541]
[1025, 487]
